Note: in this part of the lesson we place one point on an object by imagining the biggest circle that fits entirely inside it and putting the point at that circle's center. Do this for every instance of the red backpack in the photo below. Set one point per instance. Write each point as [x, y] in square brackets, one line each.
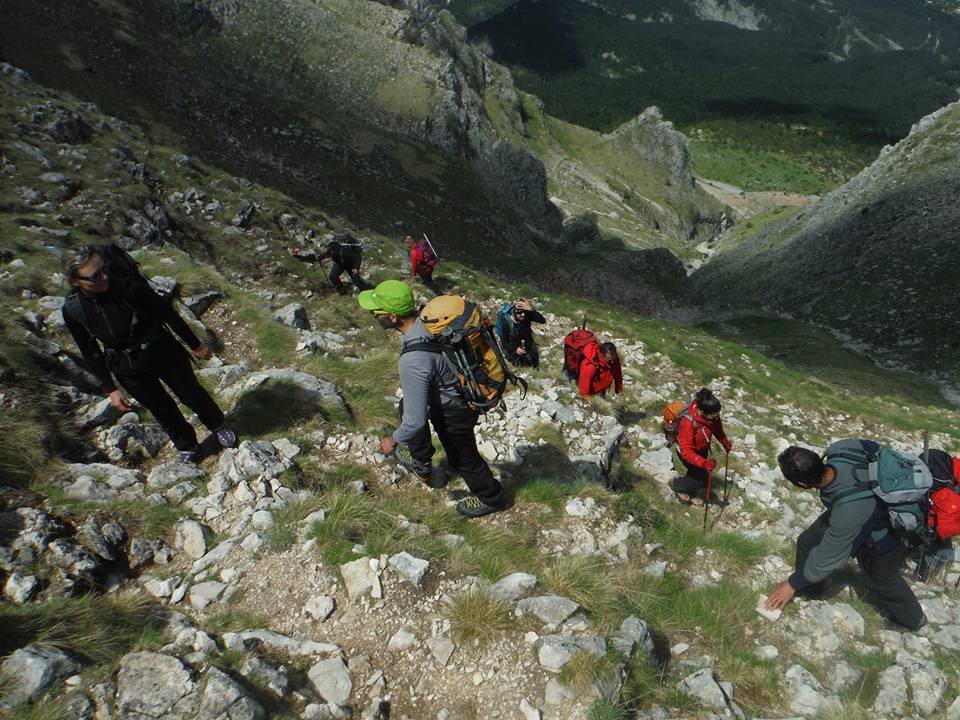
[573, 346]
[428, 258]
[944, 516]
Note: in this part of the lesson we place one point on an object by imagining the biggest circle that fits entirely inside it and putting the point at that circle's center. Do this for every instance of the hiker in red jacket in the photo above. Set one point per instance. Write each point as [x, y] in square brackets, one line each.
[697, 427]
[422, 262]
[599, 369]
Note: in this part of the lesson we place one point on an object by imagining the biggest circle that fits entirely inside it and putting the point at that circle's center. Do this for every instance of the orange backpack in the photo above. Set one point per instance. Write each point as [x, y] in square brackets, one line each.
[673, 412]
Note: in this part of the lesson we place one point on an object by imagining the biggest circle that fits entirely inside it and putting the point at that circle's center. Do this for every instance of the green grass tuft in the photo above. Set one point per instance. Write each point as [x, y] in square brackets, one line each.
[477, 616]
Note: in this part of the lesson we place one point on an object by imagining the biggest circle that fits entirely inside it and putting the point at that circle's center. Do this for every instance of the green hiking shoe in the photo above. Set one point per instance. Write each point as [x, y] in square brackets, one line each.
[474, 507]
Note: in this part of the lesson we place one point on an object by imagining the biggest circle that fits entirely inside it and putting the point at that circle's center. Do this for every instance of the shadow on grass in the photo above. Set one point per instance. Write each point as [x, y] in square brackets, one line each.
[274, 406]
[547, 466]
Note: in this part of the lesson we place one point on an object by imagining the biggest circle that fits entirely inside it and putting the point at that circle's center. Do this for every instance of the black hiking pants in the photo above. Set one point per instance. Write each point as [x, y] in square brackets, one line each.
[886, 587]
[176, 372]
[426, 277]
[455, 430]
[694, 483]
[336, 270]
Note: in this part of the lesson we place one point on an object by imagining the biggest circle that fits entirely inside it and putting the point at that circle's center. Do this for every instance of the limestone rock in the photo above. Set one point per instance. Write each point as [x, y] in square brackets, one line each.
[225, 699]
[551, 609]
[806, 695]
[293, 315]
[320, 607]
[170, 474]
[253, 459]
[152, 685]
[331, 680]
[513, 586]
[33, 669]
[704, 688]
[360, 579]
[132, 442]
[408, 567]
[191, 537]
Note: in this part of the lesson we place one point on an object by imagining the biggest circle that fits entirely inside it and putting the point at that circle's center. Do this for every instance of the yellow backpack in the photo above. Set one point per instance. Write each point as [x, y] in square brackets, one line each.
[464, 336]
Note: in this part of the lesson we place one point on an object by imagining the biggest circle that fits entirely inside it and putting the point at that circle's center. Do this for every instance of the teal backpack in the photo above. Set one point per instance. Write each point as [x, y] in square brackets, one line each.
[902, 482]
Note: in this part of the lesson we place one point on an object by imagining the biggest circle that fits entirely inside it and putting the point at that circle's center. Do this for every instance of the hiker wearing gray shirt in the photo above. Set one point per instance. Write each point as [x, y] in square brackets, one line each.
[431, 398]
[859, 527]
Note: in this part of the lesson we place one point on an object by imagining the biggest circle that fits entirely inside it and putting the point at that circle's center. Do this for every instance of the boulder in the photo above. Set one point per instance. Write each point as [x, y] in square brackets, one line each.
[331, 681]
[513, 586]
[312, 388]
[293, 315]
[31, 670]
[253, 459]
[206, 593]
[805, 694]
[360, 579]
[20, 589]
[167, 475]
[224, 698]
[408, 567]
[191, 537]
[320, 607]
[132, 442]
[153, 685]
[703, 687]
[551, 609]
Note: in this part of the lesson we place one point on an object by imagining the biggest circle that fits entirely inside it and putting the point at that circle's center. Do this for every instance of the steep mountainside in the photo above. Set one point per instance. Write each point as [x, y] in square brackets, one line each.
[305, 576]
[365, 106]
[875, 260]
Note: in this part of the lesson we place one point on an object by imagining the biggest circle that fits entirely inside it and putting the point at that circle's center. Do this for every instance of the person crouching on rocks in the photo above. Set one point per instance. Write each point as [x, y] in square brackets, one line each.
[855, 524]
[122, 328]
[695, 431]
[431, 397]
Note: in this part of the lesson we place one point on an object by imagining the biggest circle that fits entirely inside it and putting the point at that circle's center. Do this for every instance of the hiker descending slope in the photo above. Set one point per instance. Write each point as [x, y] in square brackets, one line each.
[697, 427]
[123, 327]
[423, 260]
[593, 366]
[516, 334]
[857, 523]
[432, 396]
[346, 256]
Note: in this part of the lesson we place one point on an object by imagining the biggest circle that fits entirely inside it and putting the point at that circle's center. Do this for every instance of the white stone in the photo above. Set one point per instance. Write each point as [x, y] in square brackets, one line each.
[441, 648]
[320, 607]
[331, 680]
[528, 711]
[262, 520]
[360, 579]
[402, 640]
[513, 586]
[408, 567]
[190, 537]
[205, 593]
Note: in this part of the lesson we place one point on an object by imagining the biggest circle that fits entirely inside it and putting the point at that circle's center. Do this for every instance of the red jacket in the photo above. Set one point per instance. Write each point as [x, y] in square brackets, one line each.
[596, 376]
[416, 257]
[693, 436]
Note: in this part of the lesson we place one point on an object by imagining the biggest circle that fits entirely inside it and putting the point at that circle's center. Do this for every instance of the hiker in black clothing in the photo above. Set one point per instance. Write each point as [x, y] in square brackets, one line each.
[123, 329]
[516, 335]
[346, 255]
[859, 527]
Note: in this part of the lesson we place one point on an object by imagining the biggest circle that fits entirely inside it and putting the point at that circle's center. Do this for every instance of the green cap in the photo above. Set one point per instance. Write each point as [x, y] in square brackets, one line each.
[390, 296]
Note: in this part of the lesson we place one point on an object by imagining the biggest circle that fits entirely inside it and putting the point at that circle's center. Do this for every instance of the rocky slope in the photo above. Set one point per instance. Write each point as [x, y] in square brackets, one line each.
[871, 260]
[303, 575]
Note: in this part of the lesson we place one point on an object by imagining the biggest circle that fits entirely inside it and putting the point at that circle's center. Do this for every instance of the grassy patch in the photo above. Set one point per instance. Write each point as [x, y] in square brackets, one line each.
[475, 615]
[97, 629]
[233, 620]
[137, 516]
[286, 521]
[585, 671]
[604, 709]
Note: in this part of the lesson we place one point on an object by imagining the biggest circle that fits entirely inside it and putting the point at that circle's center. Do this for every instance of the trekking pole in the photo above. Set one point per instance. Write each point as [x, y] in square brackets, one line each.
[583, 325]
[432, 248]
[706, 500]
[921, 563]
[726, 492]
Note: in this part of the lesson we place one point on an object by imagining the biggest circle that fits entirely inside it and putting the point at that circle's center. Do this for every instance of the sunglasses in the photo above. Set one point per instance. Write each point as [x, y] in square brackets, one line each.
[94, 276]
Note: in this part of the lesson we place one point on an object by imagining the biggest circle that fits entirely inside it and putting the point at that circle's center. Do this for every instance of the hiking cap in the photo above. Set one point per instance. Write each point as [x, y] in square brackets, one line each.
[389, 297]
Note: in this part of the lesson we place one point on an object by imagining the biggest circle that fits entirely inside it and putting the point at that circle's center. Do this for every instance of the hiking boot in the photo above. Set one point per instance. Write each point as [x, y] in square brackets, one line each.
[890, 623]
[474, 507]
[226, 436]
[189, 457]
[402, 455]
[437, 479]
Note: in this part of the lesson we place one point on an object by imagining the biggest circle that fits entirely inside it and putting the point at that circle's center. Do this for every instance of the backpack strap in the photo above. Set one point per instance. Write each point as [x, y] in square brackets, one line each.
[430, 346]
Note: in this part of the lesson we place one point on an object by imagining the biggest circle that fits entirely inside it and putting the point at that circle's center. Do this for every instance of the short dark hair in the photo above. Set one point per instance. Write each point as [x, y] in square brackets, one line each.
[801, 466]
[707, 402]
[608, 348]
[77, 257]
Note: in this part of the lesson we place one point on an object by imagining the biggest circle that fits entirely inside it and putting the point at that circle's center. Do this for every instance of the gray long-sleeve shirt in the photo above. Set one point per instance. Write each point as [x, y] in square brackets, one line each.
[849, 524]
[426, 380]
